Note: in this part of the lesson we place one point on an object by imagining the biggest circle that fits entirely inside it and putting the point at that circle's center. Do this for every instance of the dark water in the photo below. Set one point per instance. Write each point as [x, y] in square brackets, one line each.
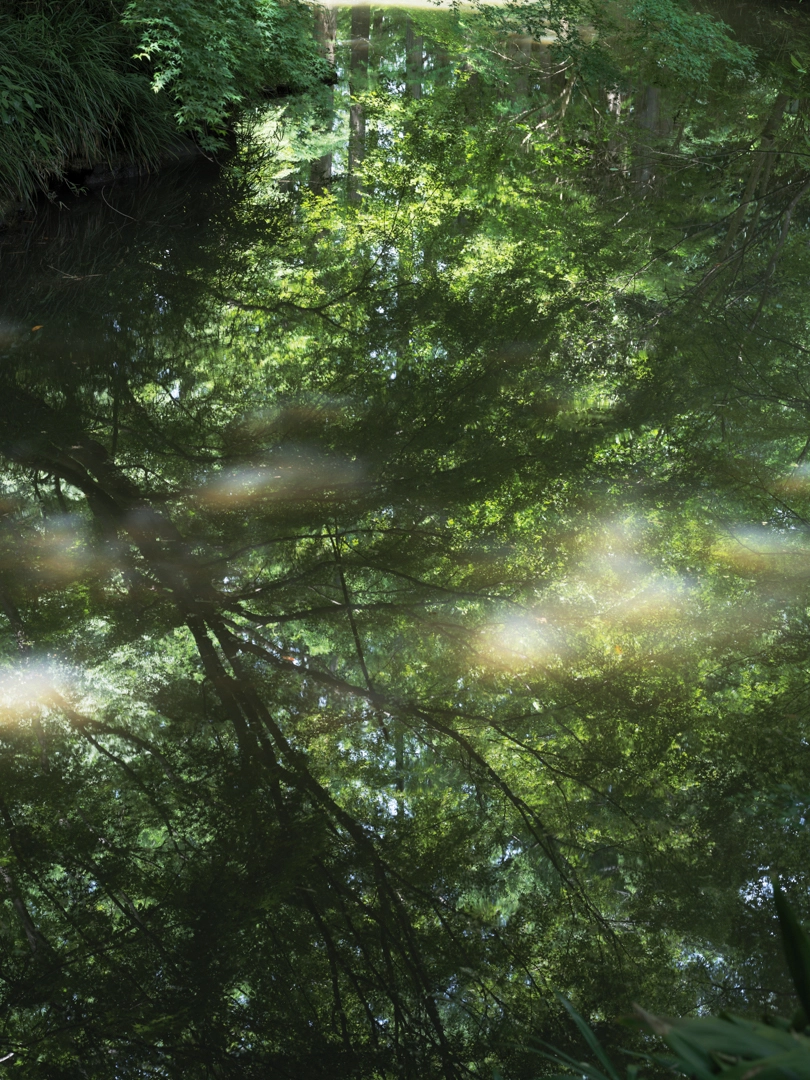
[404, 564]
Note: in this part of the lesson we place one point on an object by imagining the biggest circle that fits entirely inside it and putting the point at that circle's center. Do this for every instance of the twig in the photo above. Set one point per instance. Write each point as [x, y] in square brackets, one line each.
[72, 277]
[121, 212]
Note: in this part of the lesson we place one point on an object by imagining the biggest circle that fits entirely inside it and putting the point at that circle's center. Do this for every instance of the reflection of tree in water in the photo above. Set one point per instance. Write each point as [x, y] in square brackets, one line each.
[405, 593]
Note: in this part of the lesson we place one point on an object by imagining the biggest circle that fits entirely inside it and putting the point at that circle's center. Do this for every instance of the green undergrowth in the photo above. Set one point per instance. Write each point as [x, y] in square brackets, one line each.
[217, 56]
[71, 96]
[711, 1047]
[84, 82]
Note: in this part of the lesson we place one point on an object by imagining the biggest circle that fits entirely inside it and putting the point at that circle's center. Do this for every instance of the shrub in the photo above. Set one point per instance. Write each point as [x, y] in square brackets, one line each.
[70, 93]
[213, 56]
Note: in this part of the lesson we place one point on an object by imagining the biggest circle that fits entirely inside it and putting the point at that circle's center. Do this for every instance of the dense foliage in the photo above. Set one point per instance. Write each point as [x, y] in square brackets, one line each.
[404, 566]
[214, 56]
[71, 96]
[83, 83]
[706, 1047]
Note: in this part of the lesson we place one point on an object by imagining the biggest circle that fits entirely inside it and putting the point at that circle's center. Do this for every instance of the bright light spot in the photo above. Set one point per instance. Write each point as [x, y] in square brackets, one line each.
[26, 688]
[517, 642]
[289, 476]
[762, 549]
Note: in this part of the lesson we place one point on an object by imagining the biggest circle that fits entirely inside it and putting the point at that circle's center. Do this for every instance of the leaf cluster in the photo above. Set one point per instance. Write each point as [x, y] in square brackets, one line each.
[212, 58]
[70, 97]
[727, 1046]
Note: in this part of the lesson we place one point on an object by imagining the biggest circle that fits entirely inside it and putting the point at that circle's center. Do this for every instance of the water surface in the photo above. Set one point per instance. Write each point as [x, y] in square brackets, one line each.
[404, 562]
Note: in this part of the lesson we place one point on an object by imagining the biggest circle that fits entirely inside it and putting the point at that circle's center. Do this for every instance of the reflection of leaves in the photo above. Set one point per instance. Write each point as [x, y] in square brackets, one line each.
[686, 44]
[544, 467]
[728, 1046]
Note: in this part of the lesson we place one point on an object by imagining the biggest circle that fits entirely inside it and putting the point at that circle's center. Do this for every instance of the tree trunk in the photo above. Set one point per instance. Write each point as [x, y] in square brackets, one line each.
[358, 81]
[414, 60]
[320, 172]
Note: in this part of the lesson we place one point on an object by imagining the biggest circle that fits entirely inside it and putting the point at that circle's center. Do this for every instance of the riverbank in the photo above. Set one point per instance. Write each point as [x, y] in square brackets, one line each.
[91, 92]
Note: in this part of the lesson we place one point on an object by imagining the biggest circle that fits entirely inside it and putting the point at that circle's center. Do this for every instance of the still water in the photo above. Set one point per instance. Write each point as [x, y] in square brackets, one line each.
[404, 560]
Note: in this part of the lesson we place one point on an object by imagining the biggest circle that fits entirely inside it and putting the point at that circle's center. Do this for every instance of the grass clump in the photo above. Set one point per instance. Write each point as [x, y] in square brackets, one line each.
[70, 96]
[85, 82]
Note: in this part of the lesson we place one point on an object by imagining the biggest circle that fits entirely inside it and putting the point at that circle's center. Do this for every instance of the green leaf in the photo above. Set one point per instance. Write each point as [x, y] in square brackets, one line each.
[590, 1038]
